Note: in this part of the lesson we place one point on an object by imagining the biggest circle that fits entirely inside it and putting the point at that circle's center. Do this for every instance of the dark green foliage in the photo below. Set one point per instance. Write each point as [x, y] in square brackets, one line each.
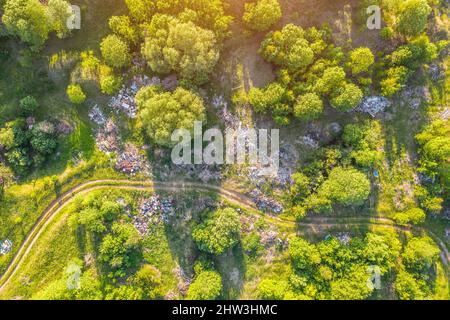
[28, 105]
[120, 249]
[26, 148]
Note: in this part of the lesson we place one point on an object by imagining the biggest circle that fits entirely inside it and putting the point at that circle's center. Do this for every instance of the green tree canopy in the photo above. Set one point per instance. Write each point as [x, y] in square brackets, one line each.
[420, 253]
[308, 107]
[183, 47]
[288, 48]
[219, 232]
[75, 94]
[346, 186]
[206, 286]
[304, 255]
[163, 112]
[262, 14]
[32, 21]
[361, 59]
[413, 16]
[115, 51]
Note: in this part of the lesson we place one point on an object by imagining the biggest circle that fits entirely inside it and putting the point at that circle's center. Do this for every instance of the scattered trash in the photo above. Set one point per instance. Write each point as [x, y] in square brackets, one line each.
[96, 115]
[436, 72]
[445, 115]
[107, 138]
[344, 237]
[130, 161]
[63, 127]
[413, 97]
[374, 105]
[153, 211]
[5, 247]
[308, 141]
[264, 203]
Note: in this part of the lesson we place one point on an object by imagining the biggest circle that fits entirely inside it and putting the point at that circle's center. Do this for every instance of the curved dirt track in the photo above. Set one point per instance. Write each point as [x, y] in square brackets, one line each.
[233, 196]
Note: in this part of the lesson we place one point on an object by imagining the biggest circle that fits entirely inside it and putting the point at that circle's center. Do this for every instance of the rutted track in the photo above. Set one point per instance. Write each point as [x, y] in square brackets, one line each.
[233, 196]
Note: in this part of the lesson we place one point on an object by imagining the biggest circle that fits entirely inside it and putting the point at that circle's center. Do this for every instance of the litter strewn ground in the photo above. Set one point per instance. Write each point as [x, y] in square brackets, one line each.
[373, 105]
[153, 211]
[5, 247]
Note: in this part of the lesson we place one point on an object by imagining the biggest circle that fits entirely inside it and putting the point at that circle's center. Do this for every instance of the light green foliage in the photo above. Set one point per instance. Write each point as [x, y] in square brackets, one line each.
[412, 17]
[366, 142]
[206, 286]
[420, 254]
[219, 232]
[32, 21]
[301, 186]
[208, 14]
[408, 287]
[110, 84]
[75, 94]
[95, 213]
[414, 216]
[346, 186]
[404, 61]
[332, 79]
[353, 286]
[394, 81]
[269, 289]
[124, 292]
[148, 279]
[28, 20]
[304, 256]
[382, 250]
[7, 137]
[262, 14]
[308, 107]
[183, 47]
[115, 51]
[434, 143]
[122, 26]
[59, 13]
[361, 59]
[268, 98]
[331, 269]
[347, 98]
[163, 112]
[251, 243]
[288, 48]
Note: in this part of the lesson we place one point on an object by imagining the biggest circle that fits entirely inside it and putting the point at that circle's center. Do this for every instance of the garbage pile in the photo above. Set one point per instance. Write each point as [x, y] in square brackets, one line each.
[5, 247]
[445, 115]
[265, 203]
[63, 127]
[130, 161]
[230, 120]
[96, 115]
[373, 105]
[107, 138]
[204, 172]
[413, 97]
[153, 211]
[344, 237]
[308, 141]
[124, 100]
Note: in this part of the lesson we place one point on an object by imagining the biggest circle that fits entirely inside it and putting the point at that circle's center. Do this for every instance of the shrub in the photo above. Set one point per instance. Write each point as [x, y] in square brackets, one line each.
[76, 94]
[261, 15]
[206, 286]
